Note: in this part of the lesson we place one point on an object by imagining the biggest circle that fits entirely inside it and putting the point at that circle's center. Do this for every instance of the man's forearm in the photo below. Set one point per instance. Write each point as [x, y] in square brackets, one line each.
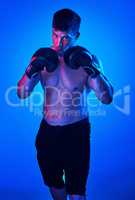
[103, 89]
[26, 85]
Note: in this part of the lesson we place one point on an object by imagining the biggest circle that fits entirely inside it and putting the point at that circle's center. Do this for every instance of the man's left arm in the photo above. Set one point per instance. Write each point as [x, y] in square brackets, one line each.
[102, 88]
[78, 56]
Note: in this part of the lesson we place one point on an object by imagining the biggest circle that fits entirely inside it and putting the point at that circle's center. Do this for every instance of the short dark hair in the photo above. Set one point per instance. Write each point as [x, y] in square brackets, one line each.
[66, 20]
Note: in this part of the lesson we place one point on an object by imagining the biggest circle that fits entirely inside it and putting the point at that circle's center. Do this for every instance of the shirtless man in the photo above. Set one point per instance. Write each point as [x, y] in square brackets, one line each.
[67, 73]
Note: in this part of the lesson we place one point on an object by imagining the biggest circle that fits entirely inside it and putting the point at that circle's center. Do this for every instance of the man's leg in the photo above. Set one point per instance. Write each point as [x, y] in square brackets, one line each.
[76, 197]
[77, 169]
[58, 194]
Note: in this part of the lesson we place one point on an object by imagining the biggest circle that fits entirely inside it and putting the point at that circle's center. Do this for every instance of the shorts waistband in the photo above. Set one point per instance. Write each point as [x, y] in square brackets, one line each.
[80, 122]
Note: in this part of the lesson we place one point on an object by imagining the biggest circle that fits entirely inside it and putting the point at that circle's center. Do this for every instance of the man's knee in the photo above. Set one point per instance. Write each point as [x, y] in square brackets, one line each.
[76, 197]
[58, 194]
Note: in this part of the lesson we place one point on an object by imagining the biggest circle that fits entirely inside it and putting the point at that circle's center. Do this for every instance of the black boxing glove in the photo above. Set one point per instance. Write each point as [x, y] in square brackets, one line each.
[44, 58]
[78, 56]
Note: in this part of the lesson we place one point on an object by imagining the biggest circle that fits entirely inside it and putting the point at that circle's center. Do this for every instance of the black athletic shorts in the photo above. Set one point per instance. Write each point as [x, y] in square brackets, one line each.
[63, 154]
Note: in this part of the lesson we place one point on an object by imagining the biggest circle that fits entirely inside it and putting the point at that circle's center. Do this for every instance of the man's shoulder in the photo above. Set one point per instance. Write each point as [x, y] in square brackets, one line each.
[39, 52]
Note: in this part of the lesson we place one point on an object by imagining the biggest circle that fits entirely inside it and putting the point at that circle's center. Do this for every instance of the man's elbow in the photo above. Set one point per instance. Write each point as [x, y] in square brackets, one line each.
[107, 100]
[22, 94]
[107, 97]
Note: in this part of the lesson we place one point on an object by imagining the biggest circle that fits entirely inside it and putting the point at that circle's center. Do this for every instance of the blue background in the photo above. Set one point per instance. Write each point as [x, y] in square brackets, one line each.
[108, 30]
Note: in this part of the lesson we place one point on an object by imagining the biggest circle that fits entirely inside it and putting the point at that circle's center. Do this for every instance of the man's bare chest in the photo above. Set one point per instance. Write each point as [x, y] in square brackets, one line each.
[64, 78]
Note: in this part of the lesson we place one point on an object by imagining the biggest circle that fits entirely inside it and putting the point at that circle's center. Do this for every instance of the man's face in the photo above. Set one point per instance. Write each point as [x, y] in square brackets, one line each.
[62, 40]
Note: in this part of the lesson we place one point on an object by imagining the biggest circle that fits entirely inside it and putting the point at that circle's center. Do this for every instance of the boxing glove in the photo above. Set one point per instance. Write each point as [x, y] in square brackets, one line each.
[43, 58]
[78, 56]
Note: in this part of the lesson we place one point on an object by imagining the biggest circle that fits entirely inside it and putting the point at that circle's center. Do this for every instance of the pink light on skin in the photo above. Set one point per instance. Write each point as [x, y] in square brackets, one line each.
[62, 40]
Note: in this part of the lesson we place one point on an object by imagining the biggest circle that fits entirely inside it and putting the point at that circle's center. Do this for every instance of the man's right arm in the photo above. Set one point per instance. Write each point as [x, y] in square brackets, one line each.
[26, 85]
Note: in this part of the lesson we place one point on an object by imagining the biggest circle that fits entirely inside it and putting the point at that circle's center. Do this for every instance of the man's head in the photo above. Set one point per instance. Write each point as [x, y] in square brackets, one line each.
[66, 24]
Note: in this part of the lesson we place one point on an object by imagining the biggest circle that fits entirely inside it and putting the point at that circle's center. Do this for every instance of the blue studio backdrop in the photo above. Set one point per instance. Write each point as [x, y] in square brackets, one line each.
[107, 30]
